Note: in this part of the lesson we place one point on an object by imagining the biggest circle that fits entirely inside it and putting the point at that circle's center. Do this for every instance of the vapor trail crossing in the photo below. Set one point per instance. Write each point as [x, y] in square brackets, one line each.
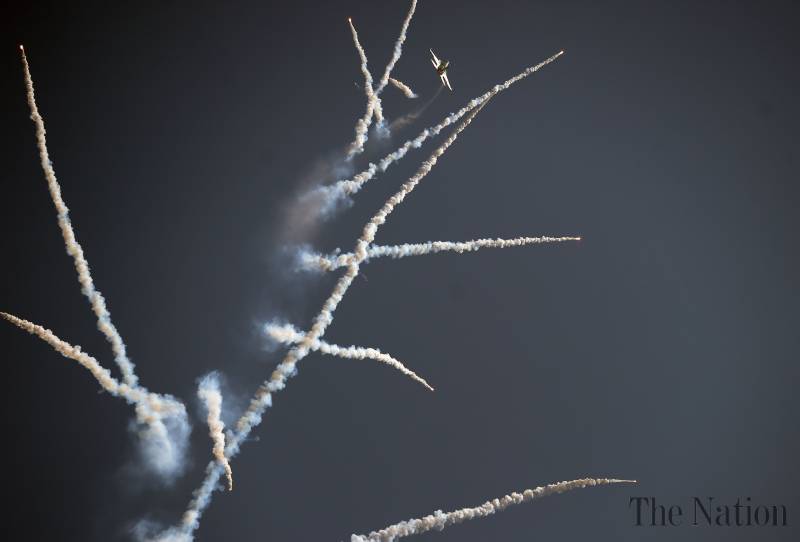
[347, 187]
[74, 249]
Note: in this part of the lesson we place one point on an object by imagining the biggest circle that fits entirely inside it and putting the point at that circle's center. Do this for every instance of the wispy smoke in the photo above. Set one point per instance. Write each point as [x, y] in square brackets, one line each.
[439, 520]
[408, 118]
[405, 89]
[98, 302]
[161, 419]
[209, 394]
[312, 261]
[288, 334]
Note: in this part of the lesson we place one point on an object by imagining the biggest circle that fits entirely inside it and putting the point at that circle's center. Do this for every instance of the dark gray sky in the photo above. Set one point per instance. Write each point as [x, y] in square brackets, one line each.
[663, 347]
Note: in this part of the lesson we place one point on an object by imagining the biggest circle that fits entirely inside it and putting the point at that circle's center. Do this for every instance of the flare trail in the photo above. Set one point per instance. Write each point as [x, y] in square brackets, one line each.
[351, 186]
[439, 520]
[288, 334]
[405, 89]
[374, 106]
[362, 124]
[396, 54]
[163, 417]
[314, 261]
[74, 249]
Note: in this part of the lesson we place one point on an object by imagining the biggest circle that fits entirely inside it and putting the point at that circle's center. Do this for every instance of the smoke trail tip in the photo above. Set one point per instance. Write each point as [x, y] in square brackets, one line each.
[10, 317]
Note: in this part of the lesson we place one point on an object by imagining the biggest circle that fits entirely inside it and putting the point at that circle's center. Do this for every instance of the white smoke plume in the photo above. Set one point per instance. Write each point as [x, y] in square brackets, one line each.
[396, 54]
[350, 186]
[312, 261]
[74, 249]
[439, 520]
[362, 124]
[262, 400]
[288, 334]
[163, 426]
[209, 394]
[405, 89]
[374, 106]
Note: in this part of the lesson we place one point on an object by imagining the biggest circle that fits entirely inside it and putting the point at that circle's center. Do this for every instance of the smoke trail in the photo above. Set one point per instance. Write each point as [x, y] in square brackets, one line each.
[405, 89]
[209, 393]
[439, 520]
[104, 323]
[398, 51]
[320, 262]
[288, 334]
[374, 106]
[164, 429]
[362, 124]
[350, 186]
[262, 399]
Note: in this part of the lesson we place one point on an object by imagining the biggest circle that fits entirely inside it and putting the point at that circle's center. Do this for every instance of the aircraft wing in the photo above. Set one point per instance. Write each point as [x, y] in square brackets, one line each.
[435, 60]
[446, 81]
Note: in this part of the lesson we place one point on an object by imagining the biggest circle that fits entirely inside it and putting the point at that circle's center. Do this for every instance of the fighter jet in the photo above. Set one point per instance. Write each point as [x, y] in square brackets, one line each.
[441, 68]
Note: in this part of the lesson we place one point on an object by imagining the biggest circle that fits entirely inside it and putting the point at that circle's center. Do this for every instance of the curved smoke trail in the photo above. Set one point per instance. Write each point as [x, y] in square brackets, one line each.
[262, 399]
[288, 334]
[164, 417]
[405, 89]
[319, 262]
[74, 249]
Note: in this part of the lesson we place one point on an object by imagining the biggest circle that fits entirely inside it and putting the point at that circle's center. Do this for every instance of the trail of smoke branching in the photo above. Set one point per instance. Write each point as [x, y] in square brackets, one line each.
[396, 54]
[151, 409]
[104, 323]
[351, 186]
[439, 520]
[321, 262]
[405, 89]
[362, 124]
[288, 334]
[374, 106]
[262, 399]
[209, 393]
